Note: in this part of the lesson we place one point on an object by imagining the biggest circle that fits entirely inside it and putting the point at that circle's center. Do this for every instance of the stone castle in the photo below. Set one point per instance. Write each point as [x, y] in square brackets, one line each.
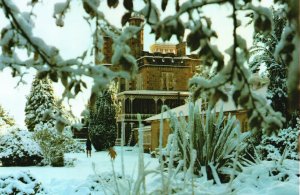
[162, 79]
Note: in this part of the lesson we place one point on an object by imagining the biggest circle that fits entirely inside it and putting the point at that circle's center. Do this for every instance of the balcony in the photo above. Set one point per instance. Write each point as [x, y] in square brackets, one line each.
[133, 117]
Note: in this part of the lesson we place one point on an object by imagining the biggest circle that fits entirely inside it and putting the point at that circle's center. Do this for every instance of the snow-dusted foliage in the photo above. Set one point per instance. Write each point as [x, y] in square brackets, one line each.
[106, 182]
[17, 148]
[51, 144]
[5, 120]
[102, 127]
[40, 104]
[285, 145]
[20, 183]
[263, 54]
[55, 144]
[206, 141]
[48, 119]
[71, 145]
[268, 177]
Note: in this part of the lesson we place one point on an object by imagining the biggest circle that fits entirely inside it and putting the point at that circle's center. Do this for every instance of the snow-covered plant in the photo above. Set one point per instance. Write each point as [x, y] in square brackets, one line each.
[54, 144]
[264, 53]
[207, 141]
[284, 144]
[72, 146]
[40, 104]
[102, 126]
[51, 143]
[20, 183]
[106, 183]
[267, 177]
[5, 120]
[18, 148]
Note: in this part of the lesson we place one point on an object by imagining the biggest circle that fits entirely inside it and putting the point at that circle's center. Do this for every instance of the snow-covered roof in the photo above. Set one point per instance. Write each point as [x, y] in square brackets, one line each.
[145, 128]
[153, 92]
[184, 109]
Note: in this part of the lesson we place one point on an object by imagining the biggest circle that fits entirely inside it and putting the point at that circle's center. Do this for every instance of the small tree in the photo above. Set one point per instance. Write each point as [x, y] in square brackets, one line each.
[102, 127]
[40, 103]
[46, 117]
[263, 53]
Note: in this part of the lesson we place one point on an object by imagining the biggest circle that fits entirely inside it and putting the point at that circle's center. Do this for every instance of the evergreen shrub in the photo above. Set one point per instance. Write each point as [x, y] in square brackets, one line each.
[102, 127]
[18, 148]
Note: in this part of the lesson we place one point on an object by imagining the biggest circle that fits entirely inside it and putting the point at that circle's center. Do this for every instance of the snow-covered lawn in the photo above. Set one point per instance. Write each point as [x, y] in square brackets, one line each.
[266, 177]
[65, 180]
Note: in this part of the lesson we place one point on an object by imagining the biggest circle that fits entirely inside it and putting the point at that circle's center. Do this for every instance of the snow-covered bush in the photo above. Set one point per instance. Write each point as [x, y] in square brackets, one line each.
[206, 141]
[20, 183]
[54, 144]
[70, 144]
[51, 143]
[17, 148]
[268, 177]
[106, 182]
[285, 143]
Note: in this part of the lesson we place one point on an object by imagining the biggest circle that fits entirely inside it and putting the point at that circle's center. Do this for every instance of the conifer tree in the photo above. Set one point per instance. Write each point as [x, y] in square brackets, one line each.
[102, 127]
[40, 103]
[264, 53]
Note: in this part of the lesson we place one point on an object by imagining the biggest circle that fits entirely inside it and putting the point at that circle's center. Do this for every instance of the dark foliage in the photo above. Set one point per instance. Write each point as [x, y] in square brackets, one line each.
[102, 127]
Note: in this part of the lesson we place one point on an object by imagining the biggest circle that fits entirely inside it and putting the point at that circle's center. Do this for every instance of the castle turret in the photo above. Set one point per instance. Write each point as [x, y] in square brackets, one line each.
[137, 43]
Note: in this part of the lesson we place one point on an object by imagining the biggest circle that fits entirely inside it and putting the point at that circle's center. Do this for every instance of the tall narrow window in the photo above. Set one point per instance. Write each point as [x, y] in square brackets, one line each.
[167, 81]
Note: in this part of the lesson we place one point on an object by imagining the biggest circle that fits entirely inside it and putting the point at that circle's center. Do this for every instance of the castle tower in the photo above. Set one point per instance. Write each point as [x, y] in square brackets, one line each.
[137, 43]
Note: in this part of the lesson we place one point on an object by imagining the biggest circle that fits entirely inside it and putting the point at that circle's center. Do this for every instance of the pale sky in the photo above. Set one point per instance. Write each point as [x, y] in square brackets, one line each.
[74, 38]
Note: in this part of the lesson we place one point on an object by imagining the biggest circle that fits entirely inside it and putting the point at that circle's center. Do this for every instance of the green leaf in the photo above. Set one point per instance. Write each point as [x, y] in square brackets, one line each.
[125, 18]
[128, 4]
[112, 3]
[236, 96]
[88, 9]
[64, 79]
[177, 5]
[84, 84]
[92, 100]
[42, 74]
[71, 85]
[193, 40]
[54, 77]
[164, 4]
[77, 88]
[180, 30]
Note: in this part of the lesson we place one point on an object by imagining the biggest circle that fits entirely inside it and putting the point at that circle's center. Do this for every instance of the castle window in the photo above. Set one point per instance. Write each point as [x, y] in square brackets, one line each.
[167, 81]
[122, 85]
[139, 83]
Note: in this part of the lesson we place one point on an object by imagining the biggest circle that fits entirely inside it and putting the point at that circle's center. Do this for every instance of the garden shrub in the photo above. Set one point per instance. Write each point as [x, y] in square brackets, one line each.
[18, 148]
[20, 183]
[52, 146]
[274, 146]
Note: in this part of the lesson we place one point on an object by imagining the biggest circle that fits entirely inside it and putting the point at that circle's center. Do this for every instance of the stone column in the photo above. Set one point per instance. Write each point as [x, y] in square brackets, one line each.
[156, 109]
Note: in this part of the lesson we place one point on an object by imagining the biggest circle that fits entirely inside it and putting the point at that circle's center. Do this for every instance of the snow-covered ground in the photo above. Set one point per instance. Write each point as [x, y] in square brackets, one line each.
[88, 175]
[65, 180]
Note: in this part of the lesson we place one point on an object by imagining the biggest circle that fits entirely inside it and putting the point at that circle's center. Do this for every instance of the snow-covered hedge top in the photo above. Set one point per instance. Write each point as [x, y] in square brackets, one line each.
[18, 142]
[20, 183]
